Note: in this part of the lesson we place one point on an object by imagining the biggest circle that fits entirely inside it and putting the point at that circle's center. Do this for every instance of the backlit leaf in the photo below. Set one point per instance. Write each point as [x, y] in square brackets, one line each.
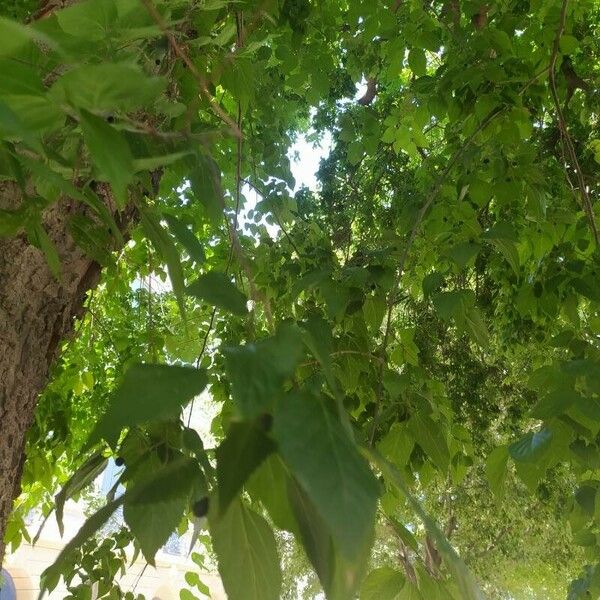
[247, 554]
[383, 583]
[148, 393]
[257, 370]
[329, 468]
[239, 454]
[110, 153]
[217, 289]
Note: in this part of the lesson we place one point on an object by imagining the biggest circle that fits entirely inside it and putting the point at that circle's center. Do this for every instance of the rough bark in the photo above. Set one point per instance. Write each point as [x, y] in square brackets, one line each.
[37, 312]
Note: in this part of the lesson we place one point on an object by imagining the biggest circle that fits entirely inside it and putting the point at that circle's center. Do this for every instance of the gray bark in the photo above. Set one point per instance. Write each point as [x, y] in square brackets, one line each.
[37, 313]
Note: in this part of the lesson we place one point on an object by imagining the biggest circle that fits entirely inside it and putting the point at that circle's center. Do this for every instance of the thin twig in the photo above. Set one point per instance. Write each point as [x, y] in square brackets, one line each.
[141, 574]
[236, 246]
[229, 259]
[411, 238]
[200, 355]
[200, 79]
[564, 131]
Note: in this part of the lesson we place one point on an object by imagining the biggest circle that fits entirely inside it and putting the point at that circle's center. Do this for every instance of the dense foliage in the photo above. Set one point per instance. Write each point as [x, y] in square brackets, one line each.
[406, 361]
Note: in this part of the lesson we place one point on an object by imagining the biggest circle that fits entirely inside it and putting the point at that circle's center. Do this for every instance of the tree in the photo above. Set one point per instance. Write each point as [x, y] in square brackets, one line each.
[409, 343]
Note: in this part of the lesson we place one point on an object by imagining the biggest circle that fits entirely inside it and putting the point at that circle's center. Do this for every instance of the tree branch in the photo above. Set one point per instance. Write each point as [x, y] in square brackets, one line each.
[200, 79]
[564, 131]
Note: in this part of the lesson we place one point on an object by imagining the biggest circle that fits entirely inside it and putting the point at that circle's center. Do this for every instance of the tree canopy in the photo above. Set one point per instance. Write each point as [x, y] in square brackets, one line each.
[405, 360]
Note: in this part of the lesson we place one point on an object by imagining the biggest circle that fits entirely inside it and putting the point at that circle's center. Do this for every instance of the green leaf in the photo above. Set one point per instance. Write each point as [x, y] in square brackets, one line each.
[383, 583]
[40, 239]
[13, 128]
[410, 591]
[568, 44]
[464, 253]
[241, 452]
[326, 463]
[495, 469]
[217, 289]
[269, 484]
[19, 79]
[164, 484]
[193, 443]
[151, 163]
[309, 281]
[88, 529]
[107, 87]
[417, 61]
[339, 576]
[205, 179]
[503, 236]
[449, 305]
[476, 326]
[431, 588]
[355, 153]
[148, 393]
[110, 153]
[430, 436]
[91, 19]
[555, 403]
[92, 238]
[319, 340]
[404, 534]
[41, 172]
[432, 283]
[186, 238]
[155, 506]
[83, 477]
[257, 371]
[532, 446]
[163, 243]
[459, 305]
[374, 310]
[15, 36]
[193, 579]
[314, 535]
[247, 554]
[239, 76]
[397, 445]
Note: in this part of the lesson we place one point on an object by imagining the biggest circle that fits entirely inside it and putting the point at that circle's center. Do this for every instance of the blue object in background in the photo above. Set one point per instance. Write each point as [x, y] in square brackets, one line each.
[7, 587]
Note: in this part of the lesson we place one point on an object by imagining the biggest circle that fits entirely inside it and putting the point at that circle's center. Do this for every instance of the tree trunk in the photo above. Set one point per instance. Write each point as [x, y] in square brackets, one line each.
[37, 312]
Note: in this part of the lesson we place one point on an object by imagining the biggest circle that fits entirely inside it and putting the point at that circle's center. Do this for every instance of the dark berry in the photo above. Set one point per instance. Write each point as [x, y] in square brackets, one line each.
[200, 508]
[119, 461]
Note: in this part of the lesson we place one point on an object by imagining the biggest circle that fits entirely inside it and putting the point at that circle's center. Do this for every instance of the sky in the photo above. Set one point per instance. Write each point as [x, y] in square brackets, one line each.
[305, 168]
[305, 158]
